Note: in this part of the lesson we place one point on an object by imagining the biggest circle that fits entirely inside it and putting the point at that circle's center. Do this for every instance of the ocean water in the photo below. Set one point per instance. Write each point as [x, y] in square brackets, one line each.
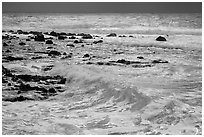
[189, 24]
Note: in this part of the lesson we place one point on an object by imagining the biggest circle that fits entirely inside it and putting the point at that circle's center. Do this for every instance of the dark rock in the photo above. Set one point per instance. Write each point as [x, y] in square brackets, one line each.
[19, 31]
[160, 38]
[62, 81]
[72, 37]
[112, 35]
[86, 56]
[15, 99]
[25, 87]
[61, 37]
[123, 61]
[82, 45]
[131, 36]
[89, 63]
[35, 33]
[78, 41]
[70, 45]
[54, 33]
[46, 33]
[67, 56]
[27, 39]
[87, 36]
[5, 45]
[54, 52]
[11, 31]
[159, 61]
[100, 41]
[8, 51]
[71, 34]
[5, 37]
[140, 57]
[11, 58]
[62, 33]
[37, 57]
[52, 90]
[22, 43]
[100, 63]
[47, 68]
[39, 37]
[50, 47]
[49, 42]
[64, 53]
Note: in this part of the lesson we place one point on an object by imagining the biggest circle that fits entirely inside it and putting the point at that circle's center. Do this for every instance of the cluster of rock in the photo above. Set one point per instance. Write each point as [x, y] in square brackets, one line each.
[41, 87]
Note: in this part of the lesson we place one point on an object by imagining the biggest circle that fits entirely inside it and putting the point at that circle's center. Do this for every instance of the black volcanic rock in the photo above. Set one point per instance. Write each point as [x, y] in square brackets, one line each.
[112, 35]
[85, 36]
[54, 52]
[159, 61]
[72, 37]
[61, 37]
[22, 43]
[39, 37]
[86, 56]
[53, 33]
[160, 38]
[5, 45]
[96, 42]
[49, 42]
[140, 57]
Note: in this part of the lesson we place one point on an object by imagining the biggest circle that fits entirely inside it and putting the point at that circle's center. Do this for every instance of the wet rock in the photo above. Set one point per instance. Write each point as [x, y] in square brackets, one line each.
[35, 33]
[160, 38]
[140, 57]
[67, 56]
[85, 36]
[96, 42]
[54, 33]
[62, 33]
[22, 43]
[70, 45]
[37, 57]
[47, 68]
[19, 31]
[61, 37]
[5, 44]
[15, 99]
[54, 52]
[86, 56]
[159, 61]
[52, 90]
[49, 42]
[112, 35]
[11, 58]
[5, 37]
[25, 87]
[78, 41]
[62, 81]
[72, 37]
[39, 37]
[71, 34]
[123, 61]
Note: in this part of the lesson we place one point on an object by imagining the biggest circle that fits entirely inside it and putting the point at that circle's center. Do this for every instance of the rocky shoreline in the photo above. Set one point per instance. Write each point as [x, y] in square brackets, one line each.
[80, 83]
